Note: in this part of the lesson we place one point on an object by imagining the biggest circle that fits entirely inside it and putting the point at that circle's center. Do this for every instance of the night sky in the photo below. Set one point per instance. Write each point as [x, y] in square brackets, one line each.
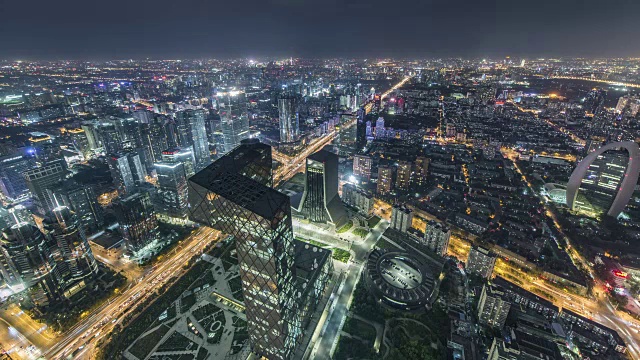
[118, 29]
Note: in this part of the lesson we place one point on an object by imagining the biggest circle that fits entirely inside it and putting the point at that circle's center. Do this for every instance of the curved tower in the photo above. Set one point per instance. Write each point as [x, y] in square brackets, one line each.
[602, 177]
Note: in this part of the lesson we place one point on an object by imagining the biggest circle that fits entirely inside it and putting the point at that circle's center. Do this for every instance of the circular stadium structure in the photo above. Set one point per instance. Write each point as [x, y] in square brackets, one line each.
[400, 279]
[627, 185]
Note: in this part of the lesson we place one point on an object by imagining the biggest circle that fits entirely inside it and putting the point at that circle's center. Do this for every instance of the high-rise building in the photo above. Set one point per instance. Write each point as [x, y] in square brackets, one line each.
[481, 261]
[421, 170]
[78, 263]
[347, 138]
[121, 173]
[234, 196]
[197, 135]
[493, 306]
[436, 237]
[289, 123]
[138, 222]
[110, 138]
[358, 198]
[82, 200]
[385, 180]
[604, 180]
[182, 156]
[362, 167]
[172, 197]
[234, 119]
[12, 181]
[401, 218]
[155, 138]
[380, 124]
[28, 263]
[403, 176]
[42, 178]
[136, 160]
[93, 136]
[320, 201]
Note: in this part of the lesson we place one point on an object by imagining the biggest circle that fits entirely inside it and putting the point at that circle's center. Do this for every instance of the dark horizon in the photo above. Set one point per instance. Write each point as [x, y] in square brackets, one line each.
[162, 29]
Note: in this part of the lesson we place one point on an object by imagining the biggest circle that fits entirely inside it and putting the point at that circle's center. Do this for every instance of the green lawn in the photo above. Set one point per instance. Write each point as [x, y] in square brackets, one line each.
[345, 227]
[360, 329]
[341, 255]
[361, 232]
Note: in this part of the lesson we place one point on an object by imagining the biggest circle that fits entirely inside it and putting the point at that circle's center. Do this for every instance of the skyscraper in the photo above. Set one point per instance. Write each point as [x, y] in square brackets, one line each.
[12, 180]
[234, 119]
[289, 126]
[182, 156]
[172, 199]
[234, 196]
[63, 226]
[138, 222]
[155, 138]
[121, 173]
[196, 135]
[320, 201]
[604, 180]
[421, 170]
[28, 263]
[385, 178]
[82, 200]
[42, 178]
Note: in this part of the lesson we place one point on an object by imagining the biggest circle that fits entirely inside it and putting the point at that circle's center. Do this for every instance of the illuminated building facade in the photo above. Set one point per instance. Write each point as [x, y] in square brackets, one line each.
[138, 222]
[320, 201]
[289, 123]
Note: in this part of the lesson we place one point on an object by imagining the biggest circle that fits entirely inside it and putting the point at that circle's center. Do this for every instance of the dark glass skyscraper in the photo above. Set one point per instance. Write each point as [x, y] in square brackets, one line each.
[42, 178]
[192, 132]
[289, 125]
[234, 120]
[320, 201]
[137, 220]
[233, 196]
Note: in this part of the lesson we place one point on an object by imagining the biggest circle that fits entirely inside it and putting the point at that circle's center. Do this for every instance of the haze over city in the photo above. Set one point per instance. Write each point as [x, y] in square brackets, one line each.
[305, 180]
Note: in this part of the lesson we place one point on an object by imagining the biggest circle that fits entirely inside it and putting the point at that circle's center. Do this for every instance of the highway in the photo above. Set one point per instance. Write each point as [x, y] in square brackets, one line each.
[81, 339]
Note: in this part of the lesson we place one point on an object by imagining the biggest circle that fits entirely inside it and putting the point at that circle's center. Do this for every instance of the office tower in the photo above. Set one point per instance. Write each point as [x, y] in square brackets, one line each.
[64, 227]
[385, 180]
[401, 218]
[155, 138]
[380, 124]
[121, 173]
[80, 142]
[131, 133]
[82, 200]
[233, 196]
[493, 306]
[369, 130]
[110, 138]
[481, 261]
[320, 200]
[403, 177]
[42, 178]
[362, 128]
[28, 263]
[136, 162]
[288, 116]
[196, 132]
[182, 130]
[138, 222]
[604, 181]
[182, 156]
[172, 198]
[93, 136]
[346, 140]
[358, 198]
[436, 237]
[421, 170]
[234, 119]
[362, 167]
[12, 180]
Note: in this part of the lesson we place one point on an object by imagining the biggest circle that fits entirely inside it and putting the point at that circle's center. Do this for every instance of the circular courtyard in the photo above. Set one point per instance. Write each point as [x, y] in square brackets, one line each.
[400, 279]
